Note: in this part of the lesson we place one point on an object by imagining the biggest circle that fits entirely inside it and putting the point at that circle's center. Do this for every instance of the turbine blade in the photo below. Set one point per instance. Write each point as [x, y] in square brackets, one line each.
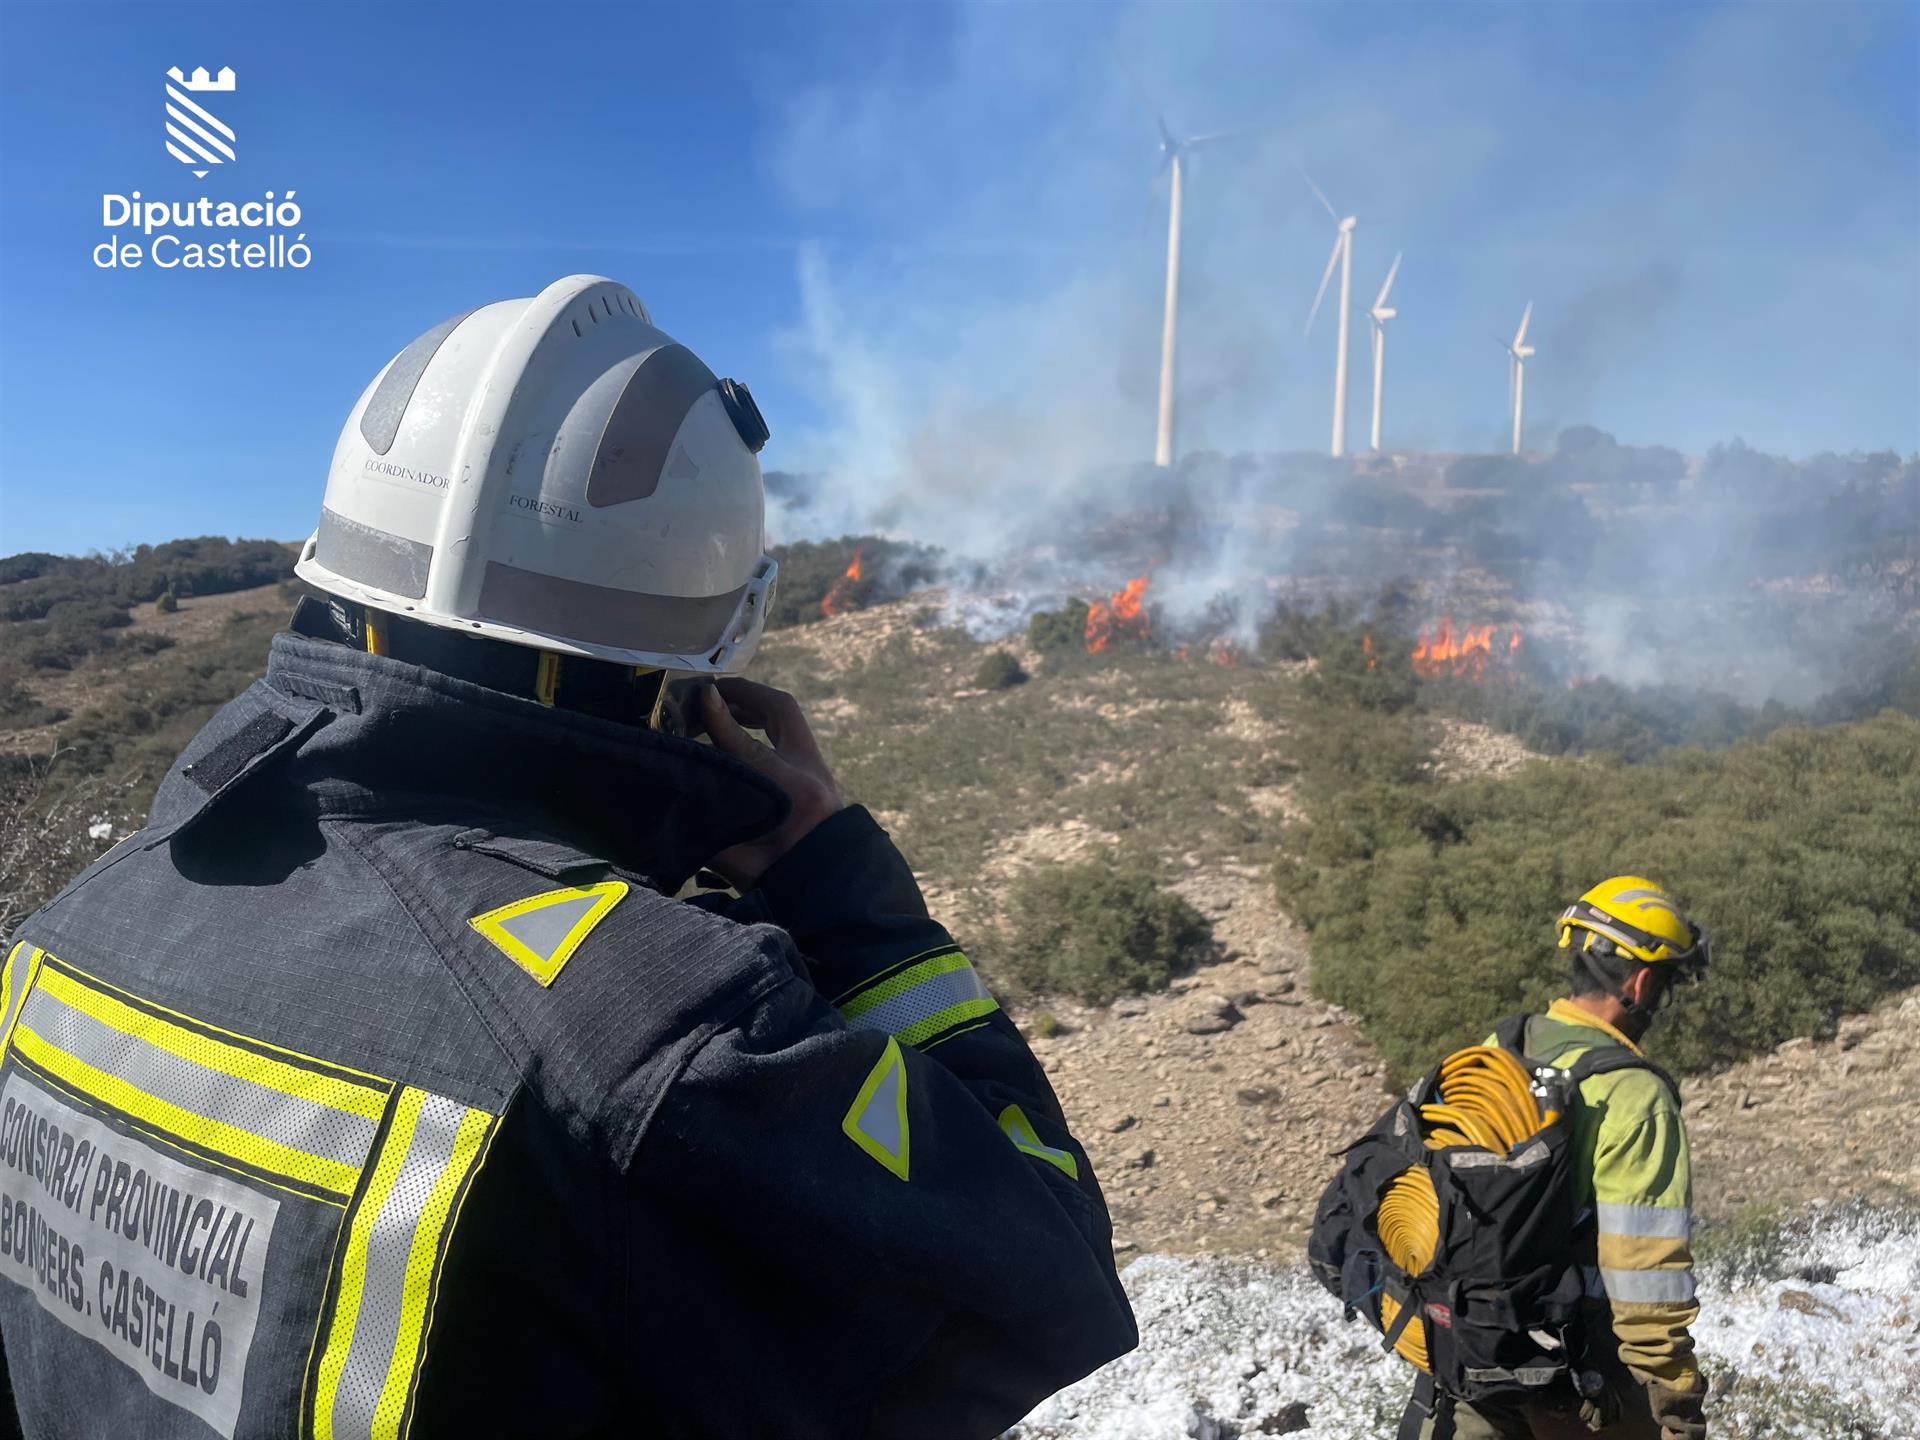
[1520, 335]
[1146, 101]
[1381, 303]
[1218, 135]
[1325, 276]
[1318, 191]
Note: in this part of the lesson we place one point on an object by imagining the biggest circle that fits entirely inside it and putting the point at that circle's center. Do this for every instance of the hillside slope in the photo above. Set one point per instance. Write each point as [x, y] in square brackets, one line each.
[1209, 1110]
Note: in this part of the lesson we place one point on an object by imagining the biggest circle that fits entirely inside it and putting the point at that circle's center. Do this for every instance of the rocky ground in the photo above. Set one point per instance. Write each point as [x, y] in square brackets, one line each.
[1210, 1111]
[1814, 1120]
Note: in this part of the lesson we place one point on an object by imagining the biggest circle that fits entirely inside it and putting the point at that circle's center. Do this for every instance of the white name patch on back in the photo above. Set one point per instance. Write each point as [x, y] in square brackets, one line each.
[152, 1259]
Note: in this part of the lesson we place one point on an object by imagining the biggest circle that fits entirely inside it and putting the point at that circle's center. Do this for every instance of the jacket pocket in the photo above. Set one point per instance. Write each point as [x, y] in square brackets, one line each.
[541, 854]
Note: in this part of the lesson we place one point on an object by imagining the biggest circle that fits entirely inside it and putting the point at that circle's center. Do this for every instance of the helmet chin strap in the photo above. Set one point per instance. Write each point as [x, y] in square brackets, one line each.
[1634, 1008]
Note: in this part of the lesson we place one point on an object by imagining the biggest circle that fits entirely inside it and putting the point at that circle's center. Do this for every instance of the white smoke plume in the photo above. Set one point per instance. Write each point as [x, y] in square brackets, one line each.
[985, 354]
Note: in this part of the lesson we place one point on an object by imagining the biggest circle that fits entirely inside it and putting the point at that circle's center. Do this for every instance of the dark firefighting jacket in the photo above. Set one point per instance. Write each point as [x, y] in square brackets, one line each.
[381, 1086]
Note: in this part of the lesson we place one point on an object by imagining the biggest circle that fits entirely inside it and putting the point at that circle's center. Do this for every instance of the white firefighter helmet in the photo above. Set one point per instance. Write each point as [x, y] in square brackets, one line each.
[555, 472]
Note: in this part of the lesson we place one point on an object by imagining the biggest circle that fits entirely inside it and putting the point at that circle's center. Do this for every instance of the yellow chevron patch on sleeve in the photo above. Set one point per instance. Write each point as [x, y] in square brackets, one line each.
[541, 932]
[1019, 1129]
[877, 1119]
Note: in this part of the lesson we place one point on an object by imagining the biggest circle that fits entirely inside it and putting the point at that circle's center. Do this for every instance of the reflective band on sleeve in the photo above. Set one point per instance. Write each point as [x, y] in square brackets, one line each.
[917, 1003]
[1672, 1222]
[314, 1126]
[1646, 1287]
[384, 1299]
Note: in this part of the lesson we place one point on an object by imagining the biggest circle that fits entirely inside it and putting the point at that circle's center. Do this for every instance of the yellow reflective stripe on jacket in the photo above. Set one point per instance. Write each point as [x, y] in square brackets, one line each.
[383, 1303]
[283, 1118]
[313, 1126]
[14, 979]
[917, 1001]
[1672, 1222]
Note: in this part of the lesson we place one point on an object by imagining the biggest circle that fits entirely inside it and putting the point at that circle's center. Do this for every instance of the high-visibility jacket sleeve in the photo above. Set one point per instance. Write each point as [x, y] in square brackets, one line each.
[865, 1243]
[852, 906]
[1643, 1193]
[874, 1202]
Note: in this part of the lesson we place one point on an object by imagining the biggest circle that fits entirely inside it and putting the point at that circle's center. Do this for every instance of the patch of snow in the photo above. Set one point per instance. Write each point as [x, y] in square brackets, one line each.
[1812, 1337]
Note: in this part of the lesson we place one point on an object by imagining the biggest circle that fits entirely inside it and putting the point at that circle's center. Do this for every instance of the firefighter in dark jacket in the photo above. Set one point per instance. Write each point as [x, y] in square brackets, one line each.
[386, 1084]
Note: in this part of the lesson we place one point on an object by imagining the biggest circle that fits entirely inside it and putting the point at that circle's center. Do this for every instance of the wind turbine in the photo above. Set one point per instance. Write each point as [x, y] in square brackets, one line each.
[1517, 352]
[1343, 257]
[1173, 154]
[1379, 315]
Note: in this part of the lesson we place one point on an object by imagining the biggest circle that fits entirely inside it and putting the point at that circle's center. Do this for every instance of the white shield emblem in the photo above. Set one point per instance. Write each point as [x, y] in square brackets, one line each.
[196, 137]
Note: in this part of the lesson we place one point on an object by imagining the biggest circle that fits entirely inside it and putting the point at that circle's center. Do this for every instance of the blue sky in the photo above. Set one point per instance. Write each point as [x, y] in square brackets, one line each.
[928, 235]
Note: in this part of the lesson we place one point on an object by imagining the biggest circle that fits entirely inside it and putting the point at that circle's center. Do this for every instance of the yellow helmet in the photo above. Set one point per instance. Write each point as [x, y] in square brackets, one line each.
[1630, 915]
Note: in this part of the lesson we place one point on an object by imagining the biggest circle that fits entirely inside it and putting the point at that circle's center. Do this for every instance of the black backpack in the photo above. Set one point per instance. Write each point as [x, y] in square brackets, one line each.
[1501, 1300]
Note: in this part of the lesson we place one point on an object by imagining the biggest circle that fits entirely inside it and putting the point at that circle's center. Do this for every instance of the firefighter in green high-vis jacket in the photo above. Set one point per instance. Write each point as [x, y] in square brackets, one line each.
[1631, 945]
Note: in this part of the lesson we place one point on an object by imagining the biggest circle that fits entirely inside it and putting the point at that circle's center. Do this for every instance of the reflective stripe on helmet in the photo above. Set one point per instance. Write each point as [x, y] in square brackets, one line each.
[373, 557]
[600, 614]
[380, 421]
[633, 450]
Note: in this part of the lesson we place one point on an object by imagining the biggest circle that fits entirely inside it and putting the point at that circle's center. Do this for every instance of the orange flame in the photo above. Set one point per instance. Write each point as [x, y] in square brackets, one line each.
[1124, 614]
[1443, 650]
[834, 602]
[1366, 648]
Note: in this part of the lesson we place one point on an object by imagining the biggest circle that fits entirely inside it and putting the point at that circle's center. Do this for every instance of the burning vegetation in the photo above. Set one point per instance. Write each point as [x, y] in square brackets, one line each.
[1443, 650]
[844, 591]
[1122, 615]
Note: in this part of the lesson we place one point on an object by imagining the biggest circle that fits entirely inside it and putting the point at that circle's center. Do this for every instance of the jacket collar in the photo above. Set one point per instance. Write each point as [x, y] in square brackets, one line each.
[1568, 1013]
[405, 741]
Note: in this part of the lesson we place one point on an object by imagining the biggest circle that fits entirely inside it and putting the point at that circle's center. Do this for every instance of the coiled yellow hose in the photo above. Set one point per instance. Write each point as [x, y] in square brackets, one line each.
[1486, 1099]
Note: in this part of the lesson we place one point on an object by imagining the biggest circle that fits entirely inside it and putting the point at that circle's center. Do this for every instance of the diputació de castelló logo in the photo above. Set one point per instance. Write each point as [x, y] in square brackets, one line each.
[197, 137]
[201, 232]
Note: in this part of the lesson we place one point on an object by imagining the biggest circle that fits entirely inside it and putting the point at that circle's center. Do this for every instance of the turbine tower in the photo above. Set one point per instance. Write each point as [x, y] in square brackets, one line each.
[1379, 315]
[1517, 352]
[1173, 155]
[1343, 257]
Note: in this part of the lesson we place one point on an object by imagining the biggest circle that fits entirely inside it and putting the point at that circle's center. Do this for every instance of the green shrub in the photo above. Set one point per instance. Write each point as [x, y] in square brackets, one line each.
[1430, 906]
[33, 586]
[1062, 629]
[19, 710]
[1098, 929]
[998, 671]
[809, 569]
[166, 604]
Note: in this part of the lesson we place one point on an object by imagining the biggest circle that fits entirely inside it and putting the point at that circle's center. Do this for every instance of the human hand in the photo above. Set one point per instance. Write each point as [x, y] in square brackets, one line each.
[1681, 1413]
[792, 761]
[1597, 1412]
